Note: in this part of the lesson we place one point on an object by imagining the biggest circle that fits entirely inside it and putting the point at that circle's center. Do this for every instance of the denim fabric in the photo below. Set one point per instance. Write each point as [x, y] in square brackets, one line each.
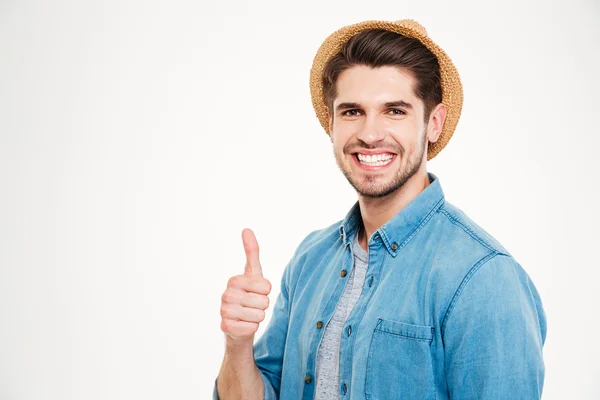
[445, 312]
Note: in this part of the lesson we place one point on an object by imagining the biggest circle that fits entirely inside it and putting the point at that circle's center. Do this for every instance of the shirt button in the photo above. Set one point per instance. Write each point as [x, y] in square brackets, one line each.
[349, 330]
[307, 379]
[343, 273]
[319, 324]
[394, 246]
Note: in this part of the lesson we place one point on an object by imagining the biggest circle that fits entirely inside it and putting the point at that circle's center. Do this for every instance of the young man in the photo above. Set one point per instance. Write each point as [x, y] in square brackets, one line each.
[406, 297]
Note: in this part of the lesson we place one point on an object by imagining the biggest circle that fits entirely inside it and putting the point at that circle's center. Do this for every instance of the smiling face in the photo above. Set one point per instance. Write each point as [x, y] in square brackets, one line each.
[378, 131]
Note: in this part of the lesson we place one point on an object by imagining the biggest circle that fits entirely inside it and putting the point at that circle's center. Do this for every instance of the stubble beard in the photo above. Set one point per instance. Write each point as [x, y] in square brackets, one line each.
[372, 186]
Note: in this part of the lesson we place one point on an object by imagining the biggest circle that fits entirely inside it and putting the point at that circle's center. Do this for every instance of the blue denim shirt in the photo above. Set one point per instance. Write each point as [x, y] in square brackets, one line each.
[446, 312]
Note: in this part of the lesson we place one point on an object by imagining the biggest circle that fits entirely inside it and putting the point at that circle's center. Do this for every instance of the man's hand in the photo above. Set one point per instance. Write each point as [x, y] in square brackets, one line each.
[243, 306]
[245, 300]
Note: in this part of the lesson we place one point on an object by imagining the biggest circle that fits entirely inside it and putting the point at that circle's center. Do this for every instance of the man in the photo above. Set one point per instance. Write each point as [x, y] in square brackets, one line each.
[406, 297]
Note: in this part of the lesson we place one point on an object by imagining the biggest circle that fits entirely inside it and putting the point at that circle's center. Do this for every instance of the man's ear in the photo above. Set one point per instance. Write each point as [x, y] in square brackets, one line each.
[330, 118]
[436, 122]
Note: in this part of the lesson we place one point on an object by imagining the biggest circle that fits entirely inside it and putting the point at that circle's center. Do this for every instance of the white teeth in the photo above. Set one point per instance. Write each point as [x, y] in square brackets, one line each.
[376, 160]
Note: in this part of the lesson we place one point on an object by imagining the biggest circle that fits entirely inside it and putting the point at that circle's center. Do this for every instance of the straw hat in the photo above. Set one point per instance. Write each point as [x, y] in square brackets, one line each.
[452, 94]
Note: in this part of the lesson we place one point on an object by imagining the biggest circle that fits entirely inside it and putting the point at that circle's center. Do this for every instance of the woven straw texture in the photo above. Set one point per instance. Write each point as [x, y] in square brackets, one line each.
[452, 93]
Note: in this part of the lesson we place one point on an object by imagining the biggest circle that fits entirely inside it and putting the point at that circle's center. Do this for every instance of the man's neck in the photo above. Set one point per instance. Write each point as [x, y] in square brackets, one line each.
[377, 211]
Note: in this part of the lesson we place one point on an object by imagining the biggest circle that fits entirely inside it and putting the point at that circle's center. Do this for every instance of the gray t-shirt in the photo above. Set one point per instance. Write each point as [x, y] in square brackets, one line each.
[328, 355]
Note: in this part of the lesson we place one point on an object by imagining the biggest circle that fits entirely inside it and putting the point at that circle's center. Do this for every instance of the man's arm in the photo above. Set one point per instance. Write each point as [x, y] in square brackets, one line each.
[243, 306]
[493, 334]
[252, 372]
[264, 361]
[239, 376]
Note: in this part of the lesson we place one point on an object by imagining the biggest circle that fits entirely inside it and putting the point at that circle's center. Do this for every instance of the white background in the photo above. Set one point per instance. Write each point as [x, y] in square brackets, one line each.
[138, 138]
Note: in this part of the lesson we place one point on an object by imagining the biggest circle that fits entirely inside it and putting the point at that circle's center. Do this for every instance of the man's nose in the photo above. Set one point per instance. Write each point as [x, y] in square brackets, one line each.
[371, 130]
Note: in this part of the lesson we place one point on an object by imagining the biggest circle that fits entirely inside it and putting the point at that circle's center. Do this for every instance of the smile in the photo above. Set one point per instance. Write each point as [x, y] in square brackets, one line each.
[376, 161]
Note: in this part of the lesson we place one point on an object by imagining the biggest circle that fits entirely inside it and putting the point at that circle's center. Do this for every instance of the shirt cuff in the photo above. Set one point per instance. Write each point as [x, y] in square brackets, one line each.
[269, 391]
[215, 395]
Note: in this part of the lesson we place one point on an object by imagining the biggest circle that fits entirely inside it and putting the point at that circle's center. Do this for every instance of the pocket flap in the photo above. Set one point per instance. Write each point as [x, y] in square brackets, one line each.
[417, 332]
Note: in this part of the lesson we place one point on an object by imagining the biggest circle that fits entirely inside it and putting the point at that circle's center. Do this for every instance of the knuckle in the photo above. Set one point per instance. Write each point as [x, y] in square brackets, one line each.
[263, 302]
[227, 297]
[234, 281]
[261, 315]
[225, 326]
[226, 311]
[230, 281]
[268, 286]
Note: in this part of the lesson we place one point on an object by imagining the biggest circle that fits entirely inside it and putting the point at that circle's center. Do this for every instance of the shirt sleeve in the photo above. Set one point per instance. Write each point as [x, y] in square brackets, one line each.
[493, 334]
[270, 347]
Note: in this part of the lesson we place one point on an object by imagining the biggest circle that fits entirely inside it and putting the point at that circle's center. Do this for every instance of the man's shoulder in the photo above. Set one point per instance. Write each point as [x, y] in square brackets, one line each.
[319, 239]
[463, 242]
[465, 248]
[461, 228]
[469, 234]
[311, 251]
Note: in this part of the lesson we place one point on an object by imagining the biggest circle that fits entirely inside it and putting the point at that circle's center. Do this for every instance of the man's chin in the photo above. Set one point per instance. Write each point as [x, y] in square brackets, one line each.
[373, 192]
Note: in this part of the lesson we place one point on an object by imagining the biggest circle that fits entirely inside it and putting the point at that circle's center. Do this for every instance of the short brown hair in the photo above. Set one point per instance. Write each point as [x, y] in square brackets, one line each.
[377, 48]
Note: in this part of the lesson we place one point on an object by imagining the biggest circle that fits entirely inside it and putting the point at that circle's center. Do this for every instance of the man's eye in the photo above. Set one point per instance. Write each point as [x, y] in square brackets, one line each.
[351, 113]
[396, 111]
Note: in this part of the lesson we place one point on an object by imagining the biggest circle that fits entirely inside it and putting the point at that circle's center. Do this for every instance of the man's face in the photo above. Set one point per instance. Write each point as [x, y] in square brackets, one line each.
[377, 130]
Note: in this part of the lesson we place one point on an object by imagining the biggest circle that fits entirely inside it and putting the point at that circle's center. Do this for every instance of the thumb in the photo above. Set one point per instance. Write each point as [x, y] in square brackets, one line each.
[251, 248]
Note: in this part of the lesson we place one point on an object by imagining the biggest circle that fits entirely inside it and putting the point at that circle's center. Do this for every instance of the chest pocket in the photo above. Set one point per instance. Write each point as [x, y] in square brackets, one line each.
[399, 362]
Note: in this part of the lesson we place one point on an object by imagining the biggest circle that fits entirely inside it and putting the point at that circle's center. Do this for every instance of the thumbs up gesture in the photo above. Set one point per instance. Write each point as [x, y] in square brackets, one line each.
[245, 300]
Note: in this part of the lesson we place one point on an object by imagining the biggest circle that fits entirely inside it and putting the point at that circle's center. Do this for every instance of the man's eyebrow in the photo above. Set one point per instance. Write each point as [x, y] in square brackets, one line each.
[397, 103]
[346, 106]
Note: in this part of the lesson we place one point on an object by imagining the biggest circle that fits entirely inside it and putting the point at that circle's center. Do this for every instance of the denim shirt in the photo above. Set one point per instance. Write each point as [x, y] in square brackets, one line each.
[446, 312]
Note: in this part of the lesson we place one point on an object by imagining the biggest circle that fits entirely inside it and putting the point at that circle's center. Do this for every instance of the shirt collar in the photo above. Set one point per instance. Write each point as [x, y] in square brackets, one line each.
[396, 232]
